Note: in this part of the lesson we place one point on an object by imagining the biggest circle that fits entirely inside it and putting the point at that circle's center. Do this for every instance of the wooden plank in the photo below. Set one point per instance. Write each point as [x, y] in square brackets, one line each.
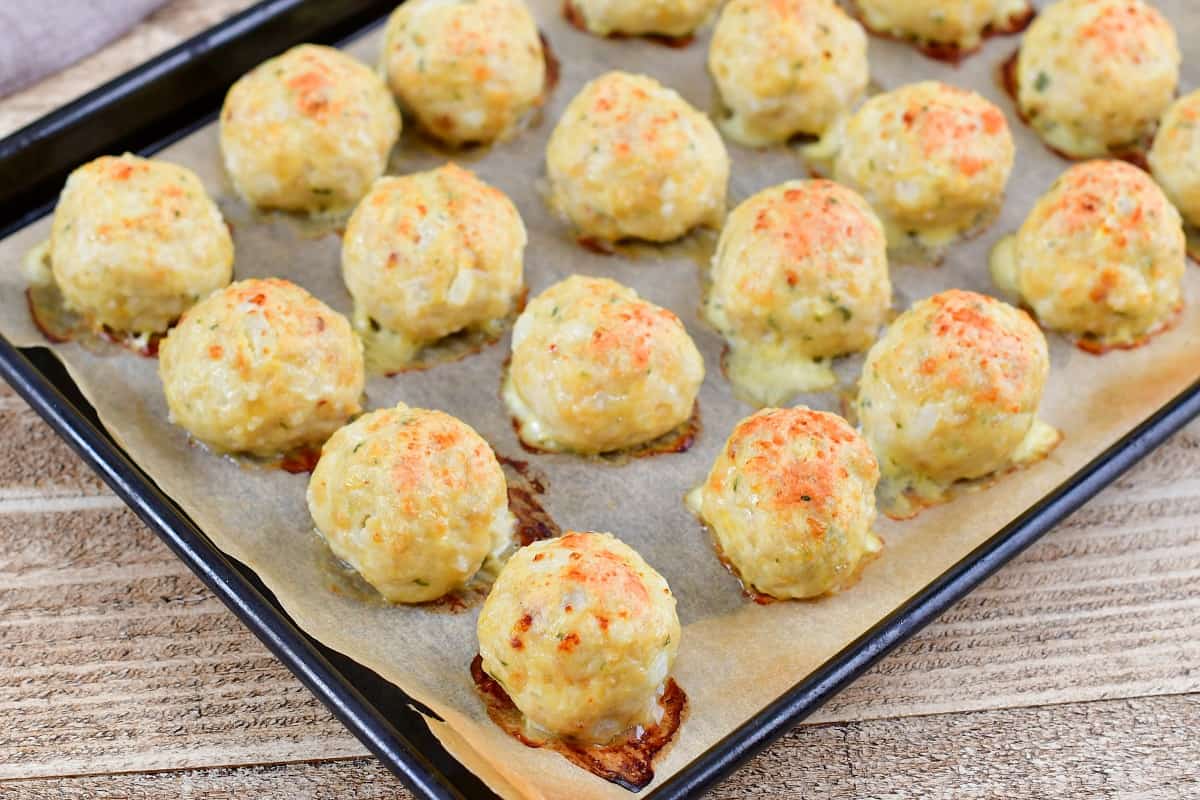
[113, 657]
[1142, 747]
[38, 462]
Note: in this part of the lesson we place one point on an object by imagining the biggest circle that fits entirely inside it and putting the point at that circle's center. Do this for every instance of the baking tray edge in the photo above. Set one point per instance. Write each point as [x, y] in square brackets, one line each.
[153, 105]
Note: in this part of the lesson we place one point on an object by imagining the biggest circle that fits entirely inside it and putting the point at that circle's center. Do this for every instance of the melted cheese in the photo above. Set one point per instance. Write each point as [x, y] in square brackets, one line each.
[770, 373]
[903, 494]
[799, 277]
[1002, 264]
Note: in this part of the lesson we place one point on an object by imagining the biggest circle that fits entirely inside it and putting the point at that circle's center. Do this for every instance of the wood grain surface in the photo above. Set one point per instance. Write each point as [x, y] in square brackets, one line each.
[1074, 672]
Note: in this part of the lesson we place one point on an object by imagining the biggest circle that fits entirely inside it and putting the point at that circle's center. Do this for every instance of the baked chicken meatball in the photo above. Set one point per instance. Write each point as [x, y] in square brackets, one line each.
[790, 502]
[415, 500]
[307, 131]
[581, 633]
[262, 368]
[1094, 76]
[677, 18]
[1175, 157]
[932, 160]
[950, 393]
[134, 243]
[800, 275]
[959, 24]
[595, 369]
[786, 68]
[1100, 257]
[431, 254]
[467, 70]
[631, 159]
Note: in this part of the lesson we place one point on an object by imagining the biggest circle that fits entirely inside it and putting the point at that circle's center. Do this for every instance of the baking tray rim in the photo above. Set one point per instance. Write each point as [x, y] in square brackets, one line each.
[186, 76]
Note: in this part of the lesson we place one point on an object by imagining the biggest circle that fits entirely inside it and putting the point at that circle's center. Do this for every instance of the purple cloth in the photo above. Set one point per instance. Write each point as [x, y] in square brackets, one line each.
[40, 37]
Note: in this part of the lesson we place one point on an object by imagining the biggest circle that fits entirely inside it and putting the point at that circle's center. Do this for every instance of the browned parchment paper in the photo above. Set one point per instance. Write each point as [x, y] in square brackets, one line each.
[735, 656]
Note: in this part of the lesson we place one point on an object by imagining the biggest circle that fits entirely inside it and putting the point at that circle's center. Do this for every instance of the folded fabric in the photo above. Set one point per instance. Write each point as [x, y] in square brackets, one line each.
[39, 37]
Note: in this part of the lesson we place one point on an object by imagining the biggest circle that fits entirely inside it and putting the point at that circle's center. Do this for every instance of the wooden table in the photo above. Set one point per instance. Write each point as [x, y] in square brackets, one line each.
[1075, 672]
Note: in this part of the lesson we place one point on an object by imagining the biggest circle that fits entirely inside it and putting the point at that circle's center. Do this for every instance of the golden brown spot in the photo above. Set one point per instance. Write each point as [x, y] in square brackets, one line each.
[445, 438]
[1109, 280]
[993, 121]
[1121, 31]
[805, 484]
[310, 87]
[575, 541]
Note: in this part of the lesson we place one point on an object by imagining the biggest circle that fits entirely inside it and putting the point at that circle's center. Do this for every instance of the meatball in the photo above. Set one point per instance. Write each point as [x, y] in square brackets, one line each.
[786, 68]
[135, 242]
[932, 159]
[581, 633]
[263, 368]
[631, 159]
[951, 392]
[800, 275]
[676, 18]
[1093, 76]
[307, 131]
[1175, 156]
[431, 254]
[415, 500]
[595, 369]
[960, 24]
[790, 502]
[468, 70]
[1100, 257]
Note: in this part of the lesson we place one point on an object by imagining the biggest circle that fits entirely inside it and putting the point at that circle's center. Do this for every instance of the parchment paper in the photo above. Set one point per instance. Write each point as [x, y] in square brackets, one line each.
[735, 656]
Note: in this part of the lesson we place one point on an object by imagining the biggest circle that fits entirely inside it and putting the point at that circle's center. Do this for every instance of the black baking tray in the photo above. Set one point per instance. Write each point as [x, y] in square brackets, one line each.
[153, 105]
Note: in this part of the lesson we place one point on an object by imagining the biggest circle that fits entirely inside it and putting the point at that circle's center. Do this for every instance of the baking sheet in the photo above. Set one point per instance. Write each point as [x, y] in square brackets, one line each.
[735, 656]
